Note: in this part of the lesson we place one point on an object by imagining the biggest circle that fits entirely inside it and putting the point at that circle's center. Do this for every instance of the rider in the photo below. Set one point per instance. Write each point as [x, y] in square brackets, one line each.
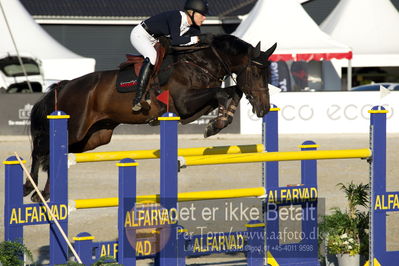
[181, 27]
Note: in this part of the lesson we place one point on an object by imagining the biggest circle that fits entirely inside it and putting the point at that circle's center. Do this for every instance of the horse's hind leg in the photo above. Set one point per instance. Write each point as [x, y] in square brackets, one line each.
[44, 161]
[95, 139]
[98, 134]
[39, 157]
[34, 172]
[98, 138]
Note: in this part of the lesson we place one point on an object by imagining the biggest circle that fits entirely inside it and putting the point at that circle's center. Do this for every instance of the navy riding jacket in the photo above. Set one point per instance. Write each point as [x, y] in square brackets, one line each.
[170, 24]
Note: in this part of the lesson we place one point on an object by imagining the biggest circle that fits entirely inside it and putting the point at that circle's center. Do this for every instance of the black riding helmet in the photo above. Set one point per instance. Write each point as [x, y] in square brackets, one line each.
[200, 6]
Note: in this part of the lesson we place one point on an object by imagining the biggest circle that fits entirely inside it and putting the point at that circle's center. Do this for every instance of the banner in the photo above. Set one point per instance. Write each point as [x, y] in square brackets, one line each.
[16, 108]
[280, 75]
[324, 112]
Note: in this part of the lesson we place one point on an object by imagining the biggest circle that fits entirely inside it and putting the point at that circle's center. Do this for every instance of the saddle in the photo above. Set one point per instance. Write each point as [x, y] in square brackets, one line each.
[137, 60]
[130, 69]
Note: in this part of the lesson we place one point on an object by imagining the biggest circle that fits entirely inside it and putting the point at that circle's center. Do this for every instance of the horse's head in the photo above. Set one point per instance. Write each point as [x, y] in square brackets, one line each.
[253, 78]
[250, 64]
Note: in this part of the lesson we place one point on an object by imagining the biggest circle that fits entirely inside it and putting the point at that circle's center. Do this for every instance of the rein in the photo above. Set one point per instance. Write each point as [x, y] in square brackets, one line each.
[189, 48]
[194, 49]
[230, 74]
[225, 66]
[223, 63]
[203, 69]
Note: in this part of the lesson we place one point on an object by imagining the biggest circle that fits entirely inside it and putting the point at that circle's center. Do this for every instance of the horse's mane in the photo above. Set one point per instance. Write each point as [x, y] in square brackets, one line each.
[231, 44]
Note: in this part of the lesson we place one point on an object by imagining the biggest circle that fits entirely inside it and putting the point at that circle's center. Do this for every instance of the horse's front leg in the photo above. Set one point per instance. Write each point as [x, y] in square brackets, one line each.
[228, 100]
[232, 107]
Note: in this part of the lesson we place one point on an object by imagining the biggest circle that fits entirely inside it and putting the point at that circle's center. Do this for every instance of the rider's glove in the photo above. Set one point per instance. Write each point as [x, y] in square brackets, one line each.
[205, 38]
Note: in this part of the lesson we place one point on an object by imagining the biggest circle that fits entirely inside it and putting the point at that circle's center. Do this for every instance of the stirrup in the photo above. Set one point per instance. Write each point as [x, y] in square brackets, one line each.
[137, 107]
[137, 102]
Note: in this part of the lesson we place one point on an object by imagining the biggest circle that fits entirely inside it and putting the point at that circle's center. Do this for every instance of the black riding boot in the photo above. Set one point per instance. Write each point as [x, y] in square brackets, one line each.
[142, 82]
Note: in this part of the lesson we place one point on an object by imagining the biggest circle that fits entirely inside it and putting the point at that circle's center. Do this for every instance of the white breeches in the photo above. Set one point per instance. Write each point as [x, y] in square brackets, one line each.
[144, 43]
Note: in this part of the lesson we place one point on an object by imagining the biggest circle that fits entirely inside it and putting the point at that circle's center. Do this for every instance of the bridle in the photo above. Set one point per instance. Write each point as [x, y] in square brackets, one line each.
[226, 68]
[245, 68]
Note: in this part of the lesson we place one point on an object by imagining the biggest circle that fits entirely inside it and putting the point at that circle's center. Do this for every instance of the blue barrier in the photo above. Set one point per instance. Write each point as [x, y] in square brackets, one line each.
[305, 251]
[17, 215]
[382, 202]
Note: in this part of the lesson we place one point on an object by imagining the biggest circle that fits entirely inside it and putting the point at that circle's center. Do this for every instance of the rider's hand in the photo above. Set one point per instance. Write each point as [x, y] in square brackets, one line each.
[205, 38]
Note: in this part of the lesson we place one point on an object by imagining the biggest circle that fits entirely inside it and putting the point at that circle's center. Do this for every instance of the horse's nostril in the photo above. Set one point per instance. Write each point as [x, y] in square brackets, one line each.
[261, 113]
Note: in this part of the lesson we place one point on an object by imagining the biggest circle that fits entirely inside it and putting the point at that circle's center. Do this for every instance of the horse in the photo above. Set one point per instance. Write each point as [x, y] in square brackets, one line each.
[194, 86]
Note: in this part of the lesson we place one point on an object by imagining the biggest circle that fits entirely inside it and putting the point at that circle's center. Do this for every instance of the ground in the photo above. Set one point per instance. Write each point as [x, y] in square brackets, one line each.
[98, 180]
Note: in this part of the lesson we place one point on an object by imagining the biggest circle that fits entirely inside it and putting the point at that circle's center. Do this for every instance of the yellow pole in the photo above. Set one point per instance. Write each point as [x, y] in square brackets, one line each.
[154, 154]
[185, 196]
[275, 156]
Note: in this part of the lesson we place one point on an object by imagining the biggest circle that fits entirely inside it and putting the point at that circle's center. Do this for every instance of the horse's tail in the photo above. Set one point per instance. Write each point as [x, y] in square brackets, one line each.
[39, 125]
[45, 106]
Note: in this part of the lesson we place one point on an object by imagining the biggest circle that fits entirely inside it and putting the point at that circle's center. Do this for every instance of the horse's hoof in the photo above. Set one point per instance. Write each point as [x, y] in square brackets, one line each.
[27, 190]
[35, 197]
[210, 131]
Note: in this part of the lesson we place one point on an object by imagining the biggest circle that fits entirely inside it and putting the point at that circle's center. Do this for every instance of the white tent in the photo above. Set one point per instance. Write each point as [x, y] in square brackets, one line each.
[57, 61]
[370, 27]
[298, 37]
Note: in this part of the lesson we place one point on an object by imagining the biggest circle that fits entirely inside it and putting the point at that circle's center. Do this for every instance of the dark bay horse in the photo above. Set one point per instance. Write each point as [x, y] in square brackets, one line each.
[96, 108]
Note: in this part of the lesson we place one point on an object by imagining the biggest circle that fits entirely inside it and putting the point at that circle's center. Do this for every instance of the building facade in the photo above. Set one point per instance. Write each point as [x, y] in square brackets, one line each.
[100, 29]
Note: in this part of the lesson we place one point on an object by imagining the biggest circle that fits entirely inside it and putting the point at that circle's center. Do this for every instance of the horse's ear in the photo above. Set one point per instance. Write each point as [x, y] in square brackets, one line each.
[270, 51]
[256, 51]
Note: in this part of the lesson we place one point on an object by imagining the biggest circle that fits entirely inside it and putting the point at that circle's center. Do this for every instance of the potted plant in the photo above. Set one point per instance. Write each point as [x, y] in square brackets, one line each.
[345, 233]
[11, 253]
